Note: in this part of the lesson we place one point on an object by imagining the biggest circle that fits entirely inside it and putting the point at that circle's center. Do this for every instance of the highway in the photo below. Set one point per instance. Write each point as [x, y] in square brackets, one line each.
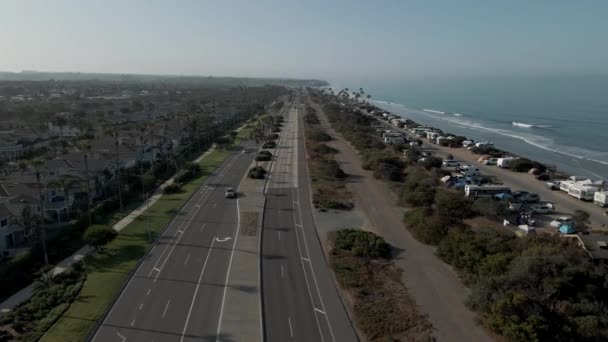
[300, 300]
[177, 292]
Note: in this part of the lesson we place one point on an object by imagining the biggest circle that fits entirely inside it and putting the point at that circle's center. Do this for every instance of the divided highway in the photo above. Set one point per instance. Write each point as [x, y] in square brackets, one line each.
[177, 292]
[300, 301]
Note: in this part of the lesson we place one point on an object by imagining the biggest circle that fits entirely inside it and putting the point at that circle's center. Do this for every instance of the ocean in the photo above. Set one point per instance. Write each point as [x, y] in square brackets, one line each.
[560, 121]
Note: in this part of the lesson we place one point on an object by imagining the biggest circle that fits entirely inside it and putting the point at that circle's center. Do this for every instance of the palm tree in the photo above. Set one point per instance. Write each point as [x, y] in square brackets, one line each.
[36, 163]
[111, 132]
[86, 148]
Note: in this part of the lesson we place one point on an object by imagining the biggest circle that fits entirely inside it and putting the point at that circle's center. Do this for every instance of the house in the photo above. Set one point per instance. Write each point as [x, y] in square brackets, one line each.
[12, 234]
[64, 131]
[11, 152]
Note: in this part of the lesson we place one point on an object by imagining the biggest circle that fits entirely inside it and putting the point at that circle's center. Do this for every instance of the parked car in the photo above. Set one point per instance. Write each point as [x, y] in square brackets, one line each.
[553, 185]
[451, 163]
[546, 208]
[526, 197]
[542, 177]
[230, 193]
[560, 220]
[490, 161]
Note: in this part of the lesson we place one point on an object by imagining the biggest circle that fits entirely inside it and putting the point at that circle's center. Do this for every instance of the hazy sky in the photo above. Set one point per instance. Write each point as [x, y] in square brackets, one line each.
[307, 38]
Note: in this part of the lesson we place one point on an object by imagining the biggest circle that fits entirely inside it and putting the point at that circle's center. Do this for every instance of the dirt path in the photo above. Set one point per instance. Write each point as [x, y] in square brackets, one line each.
[433, 284]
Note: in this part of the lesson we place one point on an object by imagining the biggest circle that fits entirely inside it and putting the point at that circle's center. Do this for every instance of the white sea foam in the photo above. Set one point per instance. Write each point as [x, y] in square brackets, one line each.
[433, 111]
[529, 125]
[457, 114]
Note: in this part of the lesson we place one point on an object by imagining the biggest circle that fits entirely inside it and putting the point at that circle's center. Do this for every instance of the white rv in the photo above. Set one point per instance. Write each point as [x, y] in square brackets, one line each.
[469, 170]
[505, 163]
[476, 191]
[601, 198]
[582, 192]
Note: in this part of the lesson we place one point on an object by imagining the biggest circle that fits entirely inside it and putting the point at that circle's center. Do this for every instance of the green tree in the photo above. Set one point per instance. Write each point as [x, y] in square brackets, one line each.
[98, 236]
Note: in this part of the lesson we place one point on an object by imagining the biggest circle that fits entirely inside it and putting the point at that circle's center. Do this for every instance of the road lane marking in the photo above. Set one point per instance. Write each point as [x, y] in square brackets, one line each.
[305, 259]
[121, 336]
[133, 323]
[282, 272]
[290, 328]
[320, 311]
[223, 240]
[202, 227]
[187, 257]
[147, 293]
[141, 306]
[198, 285]
[279, 235]
[201, 191]
[166, 307]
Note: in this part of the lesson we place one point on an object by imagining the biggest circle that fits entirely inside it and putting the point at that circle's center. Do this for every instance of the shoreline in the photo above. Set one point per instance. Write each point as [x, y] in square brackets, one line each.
[565, 162]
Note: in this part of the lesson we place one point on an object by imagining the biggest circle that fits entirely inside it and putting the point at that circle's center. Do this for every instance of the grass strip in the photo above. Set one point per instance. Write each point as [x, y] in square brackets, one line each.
[107, 272]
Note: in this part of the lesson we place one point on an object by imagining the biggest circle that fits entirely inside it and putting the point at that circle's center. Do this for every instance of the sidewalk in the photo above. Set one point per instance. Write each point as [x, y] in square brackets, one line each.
[25, 293]
[242, 312]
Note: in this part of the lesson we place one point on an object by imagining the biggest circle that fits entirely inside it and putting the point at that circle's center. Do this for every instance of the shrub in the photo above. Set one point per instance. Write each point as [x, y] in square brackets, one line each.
[172, 189]
[452, 205]
[362, 243]
[318, 135]
[387, 172]
[418, 189]
[524, 165]
[372, 159]
[432, 162]
[272, 136]
[98, 235]
[425, 226]
[323, 149]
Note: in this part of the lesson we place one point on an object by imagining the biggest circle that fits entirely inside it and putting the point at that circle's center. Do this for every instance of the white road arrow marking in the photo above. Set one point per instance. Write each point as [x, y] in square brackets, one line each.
[223, 240]
[123, 338]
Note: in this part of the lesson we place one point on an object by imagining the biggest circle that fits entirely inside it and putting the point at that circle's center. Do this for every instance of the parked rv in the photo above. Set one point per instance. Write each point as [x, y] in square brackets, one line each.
[582, 192]
[504, 163]
[469, 170]
[601, 198]
[476, 191]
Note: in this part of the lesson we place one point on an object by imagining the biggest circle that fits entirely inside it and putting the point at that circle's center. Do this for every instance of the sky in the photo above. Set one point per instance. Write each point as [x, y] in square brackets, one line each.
[306, 38]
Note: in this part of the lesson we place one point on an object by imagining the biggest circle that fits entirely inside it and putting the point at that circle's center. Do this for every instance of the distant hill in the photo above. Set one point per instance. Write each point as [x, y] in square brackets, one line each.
[133, 78]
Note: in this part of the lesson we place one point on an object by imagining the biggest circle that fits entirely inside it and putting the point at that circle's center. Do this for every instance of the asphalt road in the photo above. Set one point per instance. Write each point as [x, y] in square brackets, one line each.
[300, 300]
[177, 292]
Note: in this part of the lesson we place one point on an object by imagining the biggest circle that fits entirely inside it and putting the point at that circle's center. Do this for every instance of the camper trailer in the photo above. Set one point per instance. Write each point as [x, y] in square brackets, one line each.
[469, 170]
[601, 198]
[504, 163]
[475, 191]
[582, 192]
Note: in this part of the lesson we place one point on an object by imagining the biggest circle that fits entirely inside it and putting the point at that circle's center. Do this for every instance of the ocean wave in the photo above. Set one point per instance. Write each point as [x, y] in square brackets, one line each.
[541, 142]
[529, 125]
[433, 111]
[457, 114]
